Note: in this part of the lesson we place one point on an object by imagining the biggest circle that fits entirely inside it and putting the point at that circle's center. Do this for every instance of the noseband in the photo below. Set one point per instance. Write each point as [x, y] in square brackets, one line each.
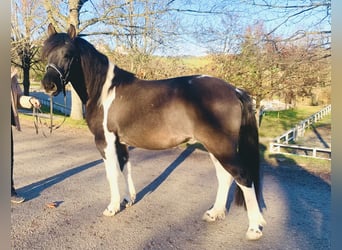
[64, 79]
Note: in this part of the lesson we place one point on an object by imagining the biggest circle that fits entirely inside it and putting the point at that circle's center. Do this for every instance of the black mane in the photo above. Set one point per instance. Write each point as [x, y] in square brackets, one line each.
[122, 77]
[94, 66]
[53, 42]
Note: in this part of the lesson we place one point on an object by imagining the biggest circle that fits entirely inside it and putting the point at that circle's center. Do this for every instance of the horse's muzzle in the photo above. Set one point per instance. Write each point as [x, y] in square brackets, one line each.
[51, 89]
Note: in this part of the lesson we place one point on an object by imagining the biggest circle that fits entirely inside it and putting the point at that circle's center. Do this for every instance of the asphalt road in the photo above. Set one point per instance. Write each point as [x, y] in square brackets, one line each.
[174, 188]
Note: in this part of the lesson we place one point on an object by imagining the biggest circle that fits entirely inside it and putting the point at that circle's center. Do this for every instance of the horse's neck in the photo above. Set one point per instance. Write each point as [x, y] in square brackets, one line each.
[78, 84]
[94, 72]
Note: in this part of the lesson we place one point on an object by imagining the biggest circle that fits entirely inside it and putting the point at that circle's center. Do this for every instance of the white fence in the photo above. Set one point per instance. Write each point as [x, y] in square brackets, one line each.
[281, 143]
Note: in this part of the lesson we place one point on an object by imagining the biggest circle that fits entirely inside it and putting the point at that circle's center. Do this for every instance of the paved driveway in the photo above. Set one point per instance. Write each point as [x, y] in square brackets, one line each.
[175, 187]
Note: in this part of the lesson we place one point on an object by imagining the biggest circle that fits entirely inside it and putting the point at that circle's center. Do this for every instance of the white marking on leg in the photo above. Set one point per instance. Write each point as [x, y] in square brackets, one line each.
[112, 172]
[130, 198]
[255, 218]
[224, 181]
[111, 161]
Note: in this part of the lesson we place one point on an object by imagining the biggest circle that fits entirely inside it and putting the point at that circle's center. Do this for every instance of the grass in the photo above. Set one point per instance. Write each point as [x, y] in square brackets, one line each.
[57, 118]
[196, 62]
[275, 123]
[318, 167]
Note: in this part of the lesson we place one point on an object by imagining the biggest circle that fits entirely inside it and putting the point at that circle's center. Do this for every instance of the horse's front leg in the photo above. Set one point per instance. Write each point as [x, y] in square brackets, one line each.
[125, 167]
[131, 194]
[109, 153]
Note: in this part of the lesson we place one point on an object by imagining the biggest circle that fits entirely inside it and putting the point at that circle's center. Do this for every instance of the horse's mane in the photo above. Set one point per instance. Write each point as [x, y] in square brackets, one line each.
[53, 42]
[94, 65]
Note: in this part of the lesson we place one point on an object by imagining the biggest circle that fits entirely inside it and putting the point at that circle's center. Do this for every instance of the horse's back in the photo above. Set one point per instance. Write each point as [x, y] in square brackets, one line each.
[216, 103]
[165, 113]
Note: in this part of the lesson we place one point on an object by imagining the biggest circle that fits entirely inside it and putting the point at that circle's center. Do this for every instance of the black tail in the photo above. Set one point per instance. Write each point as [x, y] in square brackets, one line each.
[248, 147]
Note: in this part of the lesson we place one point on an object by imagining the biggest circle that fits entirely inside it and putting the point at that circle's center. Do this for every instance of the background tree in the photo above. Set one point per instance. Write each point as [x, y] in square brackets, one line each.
[271, 48]
[25, 29]
[293, 13]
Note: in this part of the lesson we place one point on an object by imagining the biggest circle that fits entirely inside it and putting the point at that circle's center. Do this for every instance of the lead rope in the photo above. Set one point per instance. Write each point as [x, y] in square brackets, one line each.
[38, 122]
[65, 114]
[51, 114]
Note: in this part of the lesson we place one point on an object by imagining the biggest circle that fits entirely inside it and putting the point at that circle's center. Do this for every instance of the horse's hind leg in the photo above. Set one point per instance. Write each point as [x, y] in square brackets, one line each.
[255, 218]
[225, 180]
[227, 170]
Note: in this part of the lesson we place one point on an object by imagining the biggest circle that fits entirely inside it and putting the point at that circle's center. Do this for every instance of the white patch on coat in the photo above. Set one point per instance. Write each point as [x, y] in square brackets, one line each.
[131, 195]
[200, 76]
[107, 84]
[224, 182]
[255, 218]
[111, 159]
[239, 91]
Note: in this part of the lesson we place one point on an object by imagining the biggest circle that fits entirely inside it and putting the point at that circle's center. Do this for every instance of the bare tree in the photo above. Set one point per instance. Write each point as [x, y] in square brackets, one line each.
[315, 14]
[25, 25]
[269, 67]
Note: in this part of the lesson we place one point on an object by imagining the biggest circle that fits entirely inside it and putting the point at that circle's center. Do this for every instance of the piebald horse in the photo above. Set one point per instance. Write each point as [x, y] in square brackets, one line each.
[123, 110]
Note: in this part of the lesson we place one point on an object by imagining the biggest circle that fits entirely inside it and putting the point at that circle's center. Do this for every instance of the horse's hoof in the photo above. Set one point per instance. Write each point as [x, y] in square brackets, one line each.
[210, 218]
[108, 212]
[133, 197]
[207, 217]
[254, 233]
[126, 203]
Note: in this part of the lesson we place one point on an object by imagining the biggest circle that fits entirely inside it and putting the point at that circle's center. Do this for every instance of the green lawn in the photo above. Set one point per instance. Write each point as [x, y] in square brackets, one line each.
[275, 123]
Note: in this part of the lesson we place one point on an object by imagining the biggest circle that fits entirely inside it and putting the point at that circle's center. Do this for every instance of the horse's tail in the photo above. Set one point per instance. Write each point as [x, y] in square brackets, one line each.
[248, 149]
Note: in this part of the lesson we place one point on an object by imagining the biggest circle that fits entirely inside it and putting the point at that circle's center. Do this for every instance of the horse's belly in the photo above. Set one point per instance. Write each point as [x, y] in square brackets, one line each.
[154, 140]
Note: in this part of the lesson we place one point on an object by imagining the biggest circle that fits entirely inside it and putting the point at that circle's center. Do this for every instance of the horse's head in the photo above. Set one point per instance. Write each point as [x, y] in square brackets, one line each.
[60, 52]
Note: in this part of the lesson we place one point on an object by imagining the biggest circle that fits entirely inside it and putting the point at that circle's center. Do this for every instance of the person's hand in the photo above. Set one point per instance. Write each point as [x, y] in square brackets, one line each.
[35, 102]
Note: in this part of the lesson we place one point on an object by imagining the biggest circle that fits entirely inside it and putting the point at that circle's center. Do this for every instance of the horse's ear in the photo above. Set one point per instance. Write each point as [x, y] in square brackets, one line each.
[72, 31]
[51, 30]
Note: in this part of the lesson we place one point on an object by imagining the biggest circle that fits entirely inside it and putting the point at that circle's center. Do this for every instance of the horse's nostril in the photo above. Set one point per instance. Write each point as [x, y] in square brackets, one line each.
[50, 88]
[53, 87]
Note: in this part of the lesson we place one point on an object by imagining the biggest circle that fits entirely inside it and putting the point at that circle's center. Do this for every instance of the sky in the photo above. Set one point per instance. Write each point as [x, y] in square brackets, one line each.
[228, 18]
[243, 14]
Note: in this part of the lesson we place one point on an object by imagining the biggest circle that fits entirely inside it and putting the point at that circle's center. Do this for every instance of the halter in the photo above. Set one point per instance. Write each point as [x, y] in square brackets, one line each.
[63, 79]
[64, 83]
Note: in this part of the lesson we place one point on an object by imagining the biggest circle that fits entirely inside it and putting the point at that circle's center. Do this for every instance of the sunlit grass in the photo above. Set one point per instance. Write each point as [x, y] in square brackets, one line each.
[196, 62]
[275, 123]
[58, 118]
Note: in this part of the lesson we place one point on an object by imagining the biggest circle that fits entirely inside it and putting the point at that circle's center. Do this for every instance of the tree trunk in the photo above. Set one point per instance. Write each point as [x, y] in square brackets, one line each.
[26, 80]
[26, 65]
[76, 103]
